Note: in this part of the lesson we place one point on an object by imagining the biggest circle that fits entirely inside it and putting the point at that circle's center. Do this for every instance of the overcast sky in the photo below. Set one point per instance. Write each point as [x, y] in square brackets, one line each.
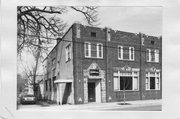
[147, 20]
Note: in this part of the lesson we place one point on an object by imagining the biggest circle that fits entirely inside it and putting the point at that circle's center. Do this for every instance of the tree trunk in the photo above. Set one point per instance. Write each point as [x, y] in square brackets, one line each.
[36, 66]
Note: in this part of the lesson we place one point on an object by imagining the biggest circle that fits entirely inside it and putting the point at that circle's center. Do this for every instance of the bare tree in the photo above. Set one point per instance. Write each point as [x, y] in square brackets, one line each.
[37, 26]
[44, 23]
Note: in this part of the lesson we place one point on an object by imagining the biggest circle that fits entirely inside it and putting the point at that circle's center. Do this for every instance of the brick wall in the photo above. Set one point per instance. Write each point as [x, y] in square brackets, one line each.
[110, 60]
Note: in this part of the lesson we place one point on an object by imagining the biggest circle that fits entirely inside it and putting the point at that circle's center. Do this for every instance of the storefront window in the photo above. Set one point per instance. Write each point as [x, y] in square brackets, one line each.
[126, 81]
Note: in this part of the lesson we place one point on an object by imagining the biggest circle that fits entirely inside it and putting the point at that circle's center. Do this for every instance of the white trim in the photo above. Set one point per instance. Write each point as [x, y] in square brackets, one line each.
[131, 53]
[156, 55]
[121, 52]
[87, 49]
[135, 76]
[68, 50]
[63, 81]
[157, 86]
[97, 46]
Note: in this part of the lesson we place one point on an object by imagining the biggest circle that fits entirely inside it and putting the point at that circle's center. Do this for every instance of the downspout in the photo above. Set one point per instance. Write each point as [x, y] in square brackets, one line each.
[106, 62]
[140, 72]
[107, 38]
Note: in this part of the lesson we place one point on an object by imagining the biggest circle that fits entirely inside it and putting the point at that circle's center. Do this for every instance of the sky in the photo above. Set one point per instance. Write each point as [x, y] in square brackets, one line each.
[146, 20]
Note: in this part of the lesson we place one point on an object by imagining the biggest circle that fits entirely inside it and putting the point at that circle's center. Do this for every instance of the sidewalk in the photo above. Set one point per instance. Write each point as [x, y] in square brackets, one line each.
[98, 106]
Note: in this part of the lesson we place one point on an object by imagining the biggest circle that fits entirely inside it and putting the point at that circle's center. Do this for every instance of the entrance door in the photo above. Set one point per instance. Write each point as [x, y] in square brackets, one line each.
[91, 92]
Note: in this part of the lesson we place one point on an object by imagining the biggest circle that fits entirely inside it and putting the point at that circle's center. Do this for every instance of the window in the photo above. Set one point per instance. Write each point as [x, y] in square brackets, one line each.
[152, 42]
[49, 84]
[93, 34]
[54, 78]
[46, 83]
[120, 52]
[53, 61]
[99, 50]
[125, 53]
[152, 81]
[127, 81]
[54, 72]
[152, 55]
[93, 50]
[68, 52]
[87, 49]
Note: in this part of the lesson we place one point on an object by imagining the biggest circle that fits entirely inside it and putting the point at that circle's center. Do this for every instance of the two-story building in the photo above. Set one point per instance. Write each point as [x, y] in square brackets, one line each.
[91, 64]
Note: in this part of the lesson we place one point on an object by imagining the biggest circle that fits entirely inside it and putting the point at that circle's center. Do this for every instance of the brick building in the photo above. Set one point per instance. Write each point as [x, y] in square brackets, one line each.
[91, 64]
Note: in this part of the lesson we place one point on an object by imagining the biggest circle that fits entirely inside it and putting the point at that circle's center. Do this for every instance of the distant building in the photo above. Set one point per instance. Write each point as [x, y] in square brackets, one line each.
[91, 64]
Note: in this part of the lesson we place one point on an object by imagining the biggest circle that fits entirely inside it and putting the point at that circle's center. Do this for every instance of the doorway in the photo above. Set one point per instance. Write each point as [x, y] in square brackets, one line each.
[91, 92]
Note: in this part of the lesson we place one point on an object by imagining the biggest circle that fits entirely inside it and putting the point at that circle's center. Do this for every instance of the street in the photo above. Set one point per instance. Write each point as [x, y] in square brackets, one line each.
[154, 105]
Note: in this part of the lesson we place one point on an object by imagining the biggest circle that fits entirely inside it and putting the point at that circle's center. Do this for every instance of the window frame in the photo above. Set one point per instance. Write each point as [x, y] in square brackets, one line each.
[97, 46]
[68, 52]
[149, 55]
[93, 34]
[157, 80]
[121, 53]
[88, 48]
[135, 78]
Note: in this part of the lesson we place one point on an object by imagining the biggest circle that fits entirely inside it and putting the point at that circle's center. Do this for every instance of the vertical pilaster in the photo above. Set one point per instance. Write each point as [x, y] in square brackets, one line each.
[85, 90]
[103, 87]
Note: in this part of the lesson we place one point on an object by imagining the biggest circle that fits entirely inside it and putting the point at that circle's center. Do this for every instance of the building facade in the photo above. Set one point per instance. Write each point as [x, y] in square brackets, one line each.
[91, 64]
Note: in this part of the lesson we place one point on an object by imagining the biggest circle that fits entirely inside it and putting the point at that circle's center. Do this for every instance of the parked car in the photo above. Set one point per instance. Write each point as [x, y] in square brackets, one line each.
[28, 99]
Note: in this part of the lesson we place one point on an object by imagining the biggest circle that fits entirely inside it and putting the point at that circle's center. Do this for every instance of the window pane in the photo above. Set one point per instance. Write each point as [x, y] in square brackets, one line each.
[157, 83]
[132, 53]
[100, 50]
[93, 34]
[135, 83]
[93, 50]
[147, 55]
[152, 82]
[126, 83]
[156, 55]
[125, 53]
[68, 55]
[86, 49]
[152, 55]
[147, 83]
[116, 84]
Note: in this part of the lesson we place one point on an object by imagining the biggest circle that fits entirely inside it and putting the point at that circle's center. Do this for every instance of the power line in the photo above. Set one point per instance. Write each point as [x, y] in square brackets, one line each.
[107, 46]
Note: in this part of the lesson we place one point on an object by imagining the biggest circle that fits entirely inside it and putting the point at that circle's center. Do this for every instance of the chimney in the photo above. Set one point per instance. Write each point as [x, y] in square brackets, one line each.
[78, 30]
[108, 34]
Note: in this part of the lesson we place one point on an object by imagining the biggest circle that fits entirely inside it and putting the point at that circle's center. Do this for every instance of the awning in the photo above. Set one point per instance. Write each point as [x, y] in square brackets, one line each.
[63, 81]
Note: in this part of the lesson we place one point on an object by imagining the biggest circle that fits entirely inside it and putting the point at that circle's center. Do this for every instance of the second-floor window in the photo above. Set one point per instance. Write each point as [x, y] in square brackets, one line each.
[94, 50]
[152, 55]
[125, 53]
[68, 52]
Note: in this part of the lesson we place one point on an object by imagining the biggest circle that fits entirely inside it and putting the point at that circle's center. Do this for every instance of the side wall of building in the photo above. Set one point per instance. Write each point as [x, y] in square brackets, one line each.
[64, 70]
[59, 81]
